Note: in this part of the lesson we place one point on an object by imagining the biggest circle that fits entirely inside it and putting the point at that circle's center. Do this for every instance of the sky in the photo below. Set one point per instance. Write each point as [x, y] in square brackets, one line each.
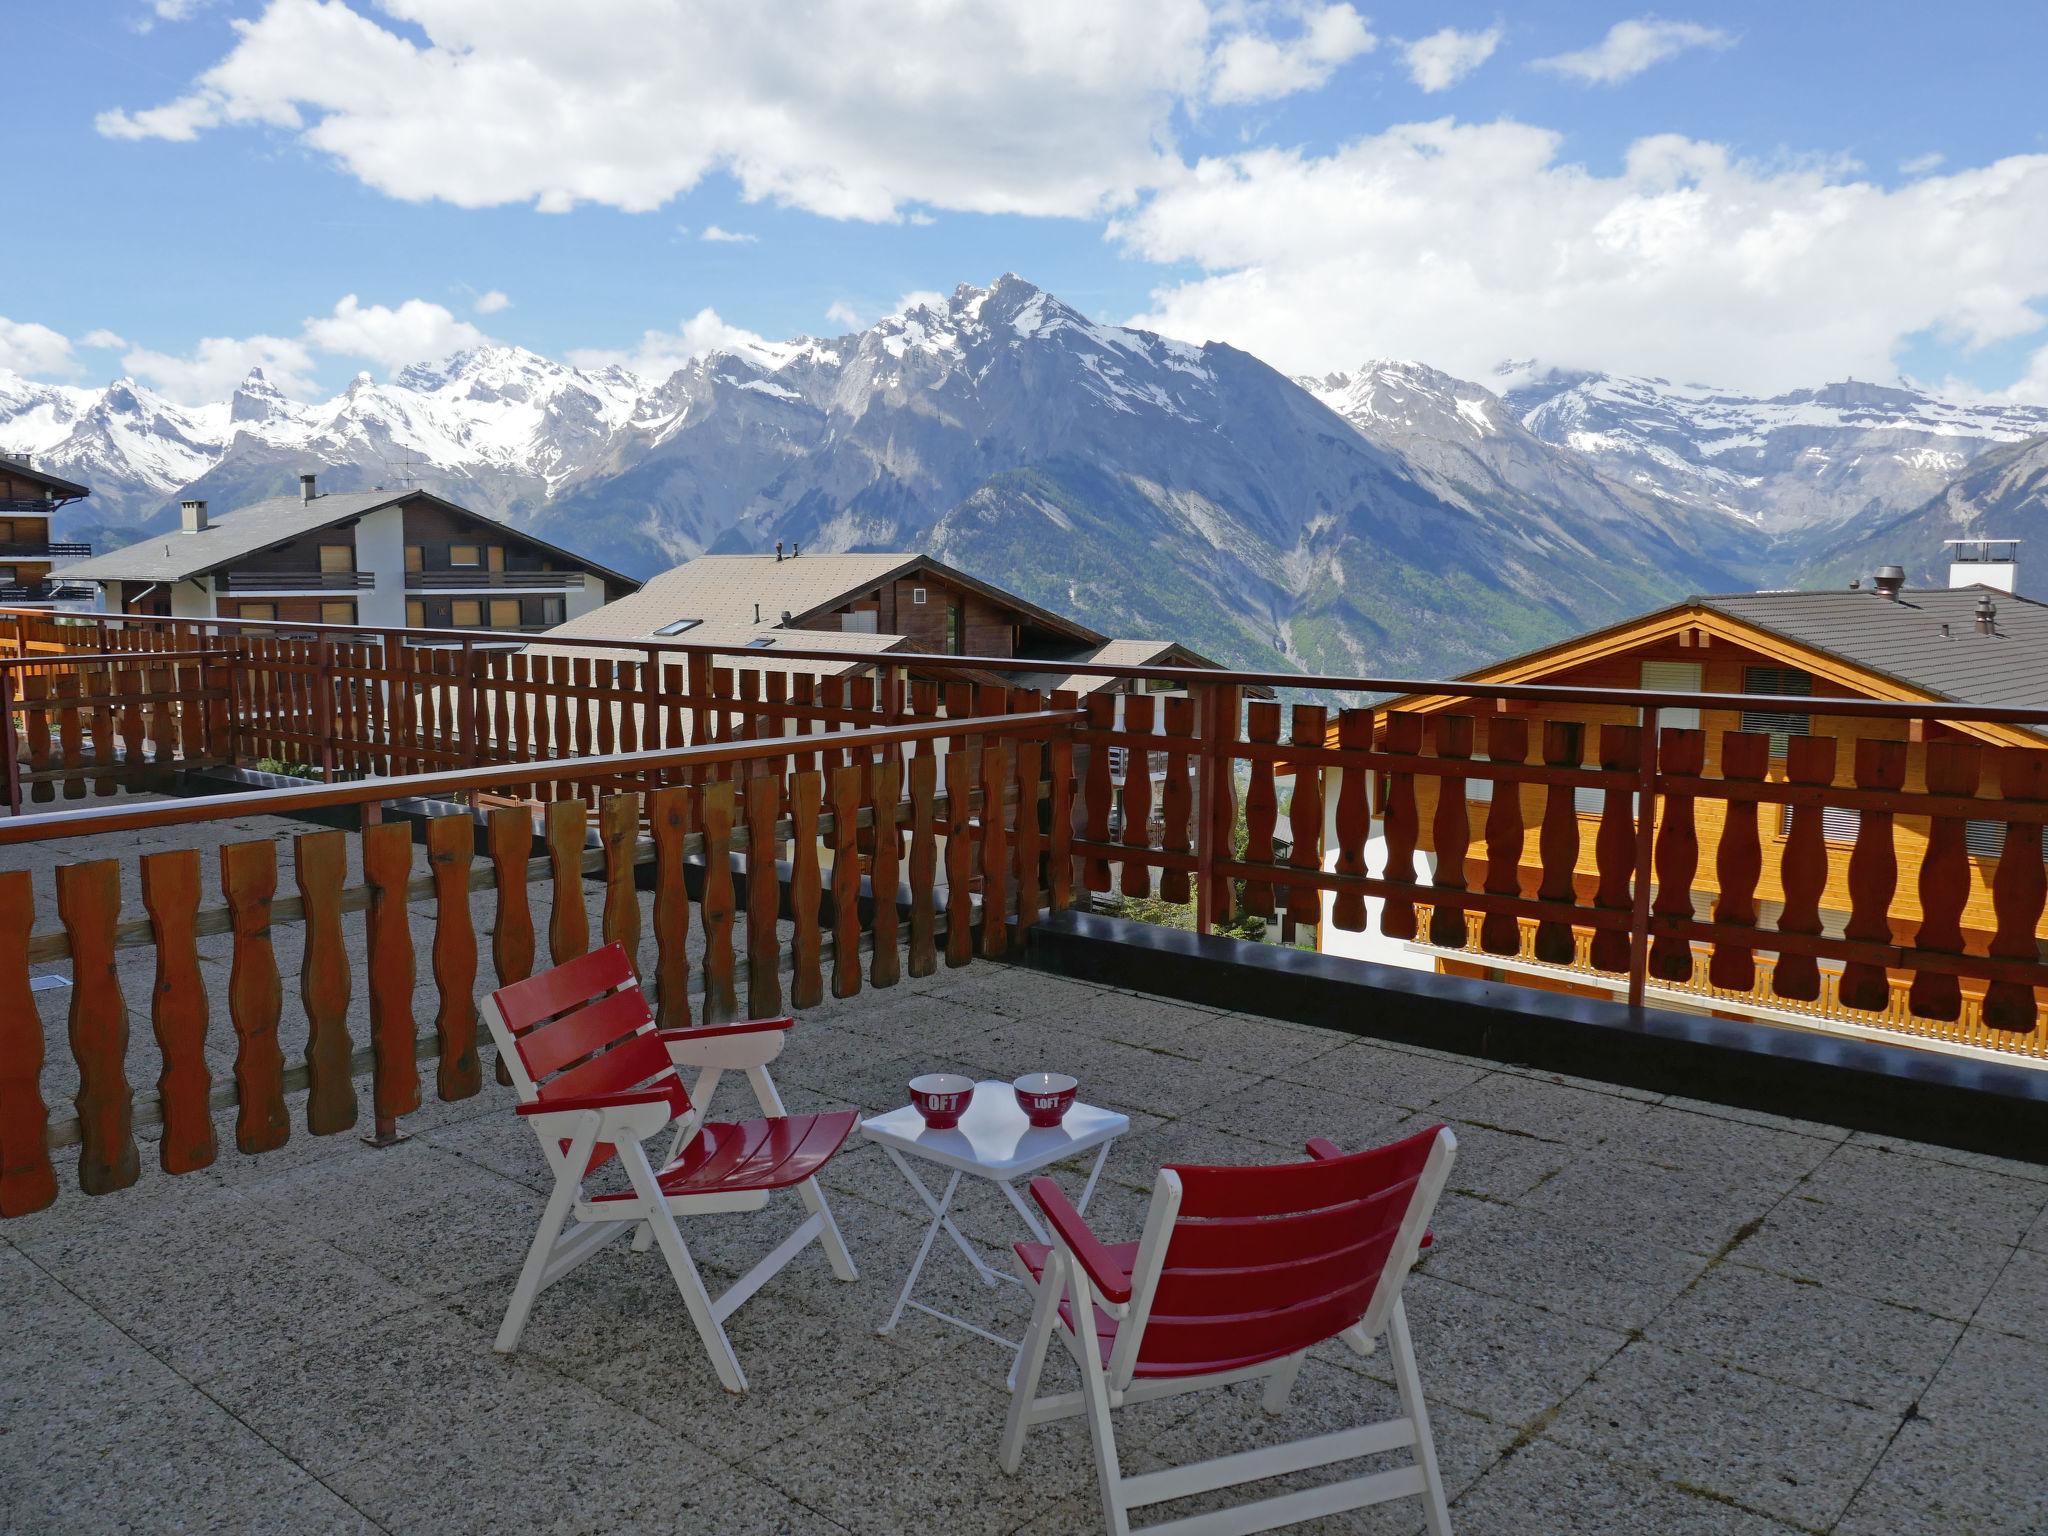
[1760, 196]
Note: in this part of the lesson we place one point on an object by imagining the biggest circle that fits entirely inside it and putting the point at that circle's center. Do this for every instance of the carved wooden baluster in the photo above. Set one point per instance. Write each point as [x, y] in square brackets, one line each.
[36, 698]
[1137, 796]
[764, 897]
[625, 708]
[163, 719]
[387, 869]
[568, 922]
[1176, 797]
[178, 1011]
[1303, 902]
[320, 870]
[1738, 864]
[1683, 753]
[1402, 819]
[130, 686]
[963, 767]
[885, 968]
[1614, 845]
[1450, 830]
[2018, 891]
[510, 830]
[1059, 857]
[1873, 876]
[995, 847]
[1557, 843]
[668, 820]
[71, 736]
[1507, 740]
[1810, 761]
[1353, 818]
[1952, 769]
[1101, 717]
[807, 980]
[89, 903]
[28, 1179]
[715, 805]
[924, 864]
[99, 688]
[248, 879]
[846, 795]
[451, 845]
[1261, 803]
[619, 832]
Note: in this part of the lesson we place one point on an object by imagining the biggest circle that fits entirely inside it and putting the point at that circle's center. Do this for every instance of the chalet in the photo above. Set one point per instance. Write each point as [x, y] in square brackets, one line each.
[868, 606]
[29, 497]
[1973, 643]
[400, 558]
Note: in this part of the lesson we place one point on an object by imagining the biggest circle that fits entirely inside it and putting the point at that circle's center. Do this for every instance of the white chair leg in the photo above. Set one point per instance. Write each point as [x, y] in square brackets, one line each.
[1280, 1384]
[538, 1252]
[1030, 1364]
[684, 1269]
[643, 1237]
[1401, 1348]
[813, 1196]
[1109, 1473]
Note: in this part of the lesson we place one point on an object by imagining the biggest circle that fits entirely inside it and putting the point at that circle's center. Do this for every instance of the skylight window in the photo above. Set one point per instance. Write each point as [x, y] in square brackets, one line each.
[678, 627]
[759, 645]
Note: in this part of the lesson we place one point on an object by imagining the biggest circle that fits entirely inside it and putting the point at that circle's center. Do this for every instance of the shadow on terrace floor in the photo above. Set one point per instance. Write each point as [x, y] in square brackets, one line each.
[1641, 1315]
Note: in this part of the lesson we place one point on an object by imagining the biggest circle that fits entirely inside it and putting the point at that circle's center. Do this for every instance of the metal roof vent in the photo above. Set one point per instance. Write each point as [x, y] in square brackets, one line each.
[306, 491]
[1888, 580]
[1987, 615]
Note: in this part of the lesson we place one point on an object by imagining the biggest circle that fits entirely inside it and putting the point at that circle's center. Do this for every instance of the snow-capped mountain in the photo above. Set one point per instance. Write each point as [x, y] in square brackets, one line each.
[1798, 465]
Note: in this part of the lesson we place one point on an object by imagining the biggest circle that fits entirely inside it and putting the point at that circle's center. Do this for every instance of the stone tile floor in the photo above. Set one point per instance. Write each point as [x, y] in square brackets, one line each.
[1642, 1315]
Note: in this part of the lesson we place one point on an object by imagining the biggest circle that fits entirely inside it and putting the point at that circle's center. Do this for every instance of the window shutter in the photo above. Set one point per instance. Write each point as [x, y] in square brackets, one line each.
[1779, 724]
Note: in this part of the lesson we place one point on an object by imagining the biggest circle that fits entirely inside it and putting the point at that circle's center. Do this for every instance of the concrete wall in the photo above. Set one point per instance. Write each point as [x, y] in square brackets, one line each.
[380, 549]
[193, 599]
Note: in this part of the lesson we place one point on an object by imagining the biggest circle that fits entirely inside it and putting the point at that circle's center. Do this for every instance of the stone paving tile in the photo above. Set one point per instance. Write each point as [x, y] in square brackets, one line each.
[1412, 1079]
[1698, 1209]
[1689, 1139]
[1546, 1488]
[1758, 1117]
[2011, 1166]
[1580, 1271]
[1780, 1450]
[1897, 1185]
[2018, 1300]
[1811, 1336]
[1502, 1165]
[1536, 1106]
[1923, 1264]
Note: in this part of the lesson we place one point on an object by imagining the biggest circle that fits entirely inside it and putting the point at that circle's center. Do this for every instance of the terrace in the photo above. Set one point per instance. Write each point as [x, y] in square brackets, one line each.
[1652, 1304]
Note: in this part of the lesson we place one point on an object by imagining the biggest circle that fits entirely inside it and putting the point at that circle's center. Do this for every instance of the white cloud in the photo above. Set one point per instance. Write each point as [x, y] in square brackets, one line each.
[1253, 66]
[1467, 243]
[920, 298]
[661, 353]
[102, 338]
[1630, 47]
[844, 314]
[1920, 165]
[491, 303]
[1439, 61]
[415, 331]
[1061, 107]
[219, 363]
[26, 347]
[719, 236]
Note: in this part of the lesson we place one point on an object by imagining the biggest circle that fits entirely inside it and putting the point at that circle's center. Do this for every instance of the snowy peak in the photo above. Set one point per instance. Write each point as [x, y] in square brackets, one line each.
[1412, 397]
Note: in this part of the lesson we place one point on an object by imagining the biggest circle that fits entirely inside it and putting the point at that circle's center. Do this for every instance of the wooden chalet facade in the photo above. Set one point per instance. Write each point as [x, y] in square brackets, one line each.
[29, 498]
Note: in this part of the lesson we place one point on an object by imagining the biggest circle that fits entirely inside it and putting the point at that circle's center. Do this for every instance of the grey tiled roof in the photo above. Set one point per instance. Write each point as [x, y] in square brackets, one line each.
[1904, 639]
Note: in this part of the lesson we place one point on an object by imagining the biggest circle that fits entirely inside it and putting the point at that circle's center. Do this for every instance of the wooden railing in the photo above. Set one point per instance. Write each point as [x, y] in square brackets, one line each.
[97, 722]
[975, 853]
[1903, 903]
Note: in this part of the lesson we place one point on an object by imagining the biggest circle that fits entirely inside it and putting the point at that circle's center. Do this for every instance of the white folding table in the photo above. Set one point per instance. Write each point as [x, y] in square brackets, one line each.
[993, 1141]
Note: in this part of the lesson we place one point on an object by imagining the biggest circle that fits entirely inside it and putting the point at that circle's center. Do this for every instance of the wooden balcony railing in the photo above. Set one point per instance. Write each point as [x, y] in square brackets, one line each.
[1903, 903]
[480, 580]
[240, 583]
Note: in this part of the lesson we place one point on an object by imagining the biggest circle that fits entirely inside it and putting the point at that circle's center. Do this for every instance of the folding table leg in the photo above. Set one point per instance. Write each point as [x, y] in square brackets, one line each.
[988, 1276]
[924, 1248]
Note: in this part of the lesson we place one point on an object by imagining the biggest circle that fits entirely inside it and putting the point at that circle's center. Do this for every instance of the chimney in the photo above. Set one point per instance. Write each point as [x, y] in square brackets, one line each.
[1888, 580]
[1987, 615]
[1984, 563]
[192, 516]
[306, 492]
[778, 551]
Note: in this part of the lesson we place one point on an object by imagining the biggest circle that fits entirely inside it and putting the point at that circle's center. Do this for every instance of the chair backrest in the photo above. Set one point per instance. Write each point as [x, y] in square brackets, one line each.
[1244, 1265]
[582, 1028]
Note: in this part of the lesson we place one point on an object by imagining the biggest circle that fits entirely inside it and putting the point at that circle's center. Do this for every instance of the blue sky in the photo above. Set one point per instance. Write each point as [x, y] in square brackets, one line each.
[1867, 163]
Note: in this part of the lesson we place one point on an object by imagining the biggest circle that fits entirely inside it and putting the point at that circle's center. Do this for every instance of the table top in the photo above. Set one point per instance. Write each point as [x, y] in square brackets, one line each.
[993, 1138]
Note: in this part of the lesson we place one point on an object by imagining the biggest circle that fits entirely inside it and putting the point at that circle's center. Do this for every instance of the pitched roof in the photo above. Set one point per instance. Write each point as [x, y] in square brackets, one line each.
[245, 531]
[1904, 639]
[21, 469]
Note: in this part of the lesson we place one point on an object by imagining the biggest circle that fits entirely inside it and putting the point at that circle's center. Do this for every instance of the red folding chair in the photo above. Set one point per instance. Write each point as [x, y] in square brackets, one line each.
[597, 1079]
[1240, 1272]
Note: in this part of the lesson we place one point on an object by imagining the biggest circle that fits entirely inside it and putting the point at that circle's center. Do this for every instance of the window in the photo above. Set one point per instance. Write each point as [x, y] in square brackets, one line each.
[1837, 824]
[464, 554]
[917, 596]
[677, 628]
[496, 554]
[861, 621]
[263, 611]
[337, 559]
[7, 537]
[415, 614]
[338, 612]
[466, 613]
[551, 610]
[415, 557]
[953, 635]
[504, 613]
[1673, 677]
[1986, 839]
[1781, 725]
[759, 645]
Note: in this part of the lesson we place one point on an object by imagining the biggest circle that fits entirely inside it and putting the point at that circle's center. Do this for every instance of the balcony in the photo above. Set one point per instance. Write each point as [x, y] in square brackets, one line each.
[480, 580]
[81, 595]
[291, 583]
[43, 549]
[1650, 1304]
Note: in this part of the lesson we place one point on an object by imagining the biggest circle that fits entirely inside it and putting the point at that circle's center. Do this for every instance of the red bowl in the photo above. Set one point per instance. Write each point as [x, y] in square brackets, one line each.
[941, 1098]
[1045, 1097]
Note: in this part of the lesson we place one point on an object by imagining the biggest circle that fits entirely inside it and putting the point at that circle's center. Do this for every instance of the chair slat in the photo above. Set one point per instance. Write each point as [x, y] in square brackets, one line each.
[526, 1003]
[637, 1063]
[553, 1046]
[1290, 1187]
